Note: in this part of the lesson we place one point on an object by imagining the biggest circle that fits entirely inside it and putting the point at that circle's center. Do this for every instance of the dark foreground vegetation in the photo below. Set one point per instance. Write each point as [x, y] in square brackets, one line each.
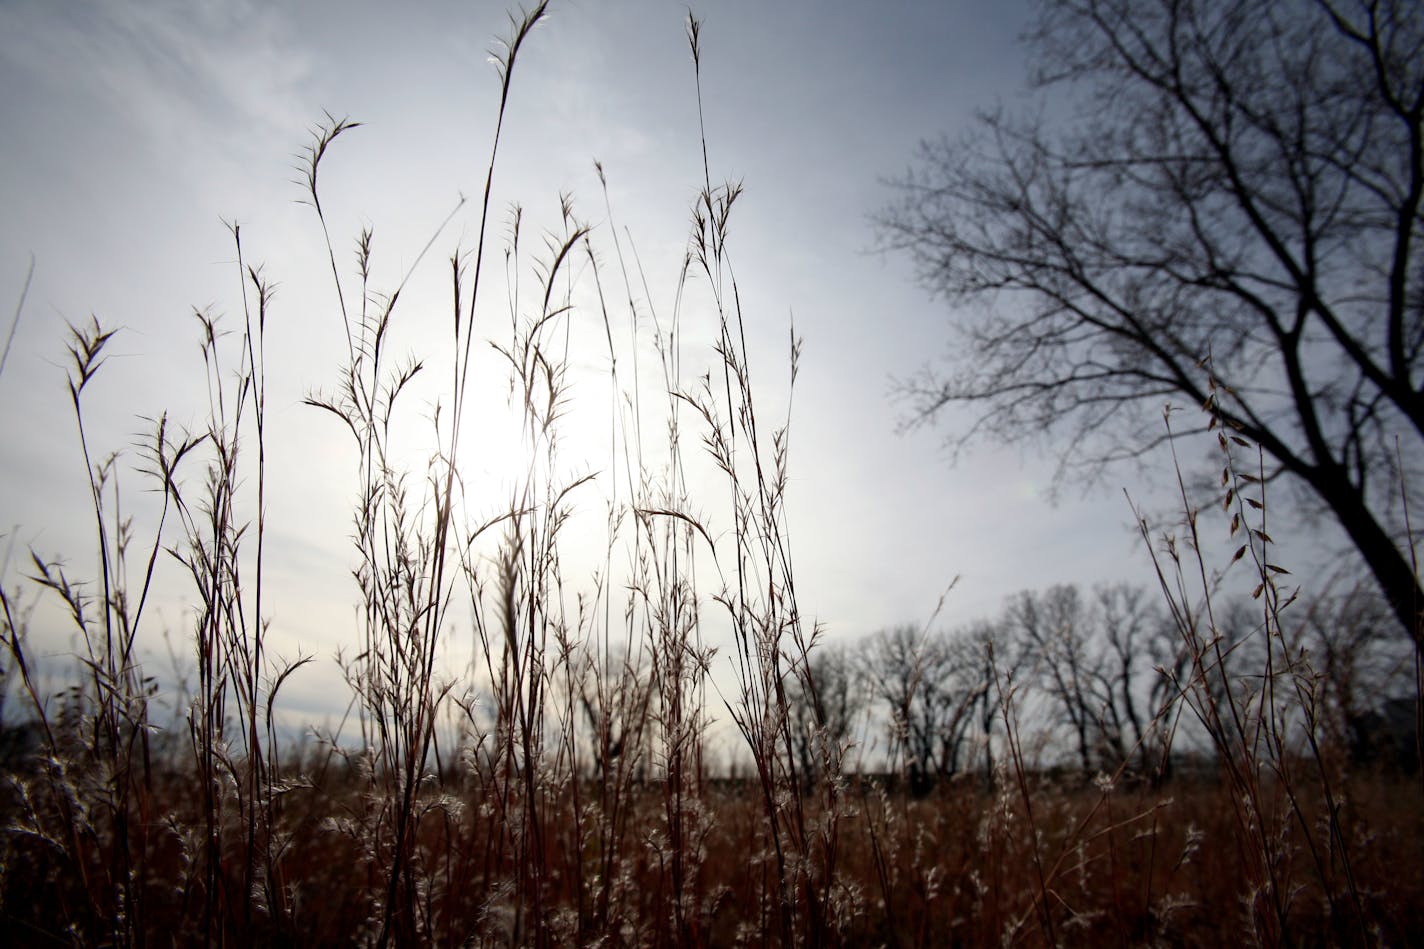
[1131, 864]
[1183, 768]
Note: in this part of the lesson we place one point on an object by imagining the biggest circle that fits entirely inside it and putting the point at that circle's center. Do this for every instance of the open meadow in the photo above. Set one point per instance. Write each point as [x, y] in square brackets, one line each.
[586, 703]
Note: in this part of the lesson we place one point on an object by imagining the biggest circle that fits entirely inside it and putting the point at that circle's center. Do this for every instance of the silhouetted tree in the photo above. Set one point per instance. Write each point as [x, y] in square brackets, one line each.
[824, 705]
[1360, 661]
[1054, 626]
[990, 660]
[1216, 199]
[921, 679]
[1138, 651]
[1126, 622]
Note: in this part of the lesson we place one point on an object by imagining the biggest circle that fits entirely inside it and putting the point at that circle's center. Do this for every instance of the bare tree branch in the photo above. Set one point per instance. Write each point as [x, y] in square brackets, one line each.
[1218, 202]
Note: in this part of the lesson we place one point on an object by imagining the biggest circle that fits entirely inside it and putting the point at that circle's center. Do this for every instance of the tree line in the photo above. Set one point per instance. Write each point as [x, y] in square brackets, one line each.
[1095, 676]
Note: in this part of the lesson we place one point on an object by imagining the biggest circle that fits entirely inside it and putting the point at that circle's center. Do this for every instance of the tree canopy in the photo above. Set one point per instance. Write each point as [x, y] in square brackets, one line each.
[1213, 202]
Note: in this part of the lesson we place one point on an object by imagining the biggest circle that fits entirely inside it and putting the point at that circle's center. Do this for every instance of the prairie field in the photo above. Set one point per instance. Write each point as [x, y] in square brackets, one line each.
[590, 707]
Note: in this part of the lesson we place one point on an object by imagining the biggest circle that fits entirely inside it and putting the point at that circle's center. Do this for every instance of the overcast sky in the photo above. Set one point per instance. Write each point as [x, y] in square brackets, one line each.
[133, 130]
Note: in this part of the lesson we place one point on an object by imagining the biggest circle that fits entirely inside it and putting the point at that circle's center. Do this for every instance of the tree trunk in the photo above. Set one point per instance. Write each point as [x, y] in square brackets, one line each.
[1392, 568]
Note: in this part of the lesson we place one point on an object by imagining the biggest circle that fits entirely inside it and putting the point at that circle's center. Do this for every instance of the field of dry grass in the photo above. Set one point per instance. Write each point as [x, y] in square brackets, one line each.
[961, 866]
[561, 791]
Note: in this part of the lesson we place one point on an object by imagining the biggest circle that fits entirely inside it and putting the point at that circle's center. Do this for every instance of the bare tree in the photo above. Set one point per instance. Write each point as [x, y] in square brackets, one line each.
[1107, 664]
[921, 681]
[988, 659]
[1361, 662]
[1054, 625]
[823, 706]
[1234, 185]
[1140, 662]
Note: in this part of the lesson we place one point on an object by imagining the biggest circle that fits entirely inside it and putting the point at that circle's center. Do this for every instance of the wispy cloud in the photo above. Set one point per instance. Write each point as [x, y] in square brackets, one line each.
[169, 70]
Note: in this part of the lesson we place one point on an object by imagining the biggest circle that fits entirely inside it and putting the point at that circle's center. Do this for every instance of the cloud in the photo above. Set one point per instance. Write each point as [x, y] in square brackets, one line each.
[173, 72]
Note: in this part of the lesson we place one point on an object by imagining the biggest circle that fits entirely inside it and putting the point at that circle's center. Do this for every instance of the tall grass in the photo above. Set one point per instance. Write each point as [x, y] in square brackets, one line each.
[562, 787]
[1284, 786]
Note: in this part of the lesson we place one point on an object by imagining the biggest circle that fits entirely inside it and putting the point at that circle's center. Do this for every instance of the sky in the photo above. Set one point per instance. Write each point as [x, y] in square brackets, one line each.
[135, 131]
